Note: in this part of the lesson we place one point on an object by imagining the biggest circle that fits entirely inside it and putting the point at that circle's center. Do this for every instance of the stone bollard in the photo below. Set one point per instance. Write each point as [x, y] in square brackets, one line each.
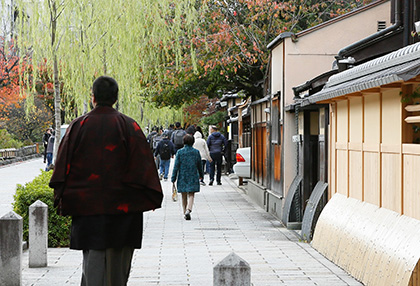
[232, 271]
[11, 235]
[38, 234]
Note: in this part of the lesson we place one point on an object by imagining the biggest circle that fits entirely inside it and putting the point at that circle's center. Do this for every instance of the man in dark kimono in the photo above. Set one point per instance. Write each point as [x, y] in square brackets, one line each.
[105, 178]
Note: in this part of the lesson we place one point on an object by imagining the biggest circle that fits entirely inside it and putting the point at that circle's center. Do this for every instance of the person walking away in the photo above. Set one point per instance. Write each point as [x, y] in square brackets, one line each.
[155, 141]
[165, 150]
[201, 145]
[151, 135]
[50, 151]
[170, 130]
[178, 137]
[216, 143]
[45, 138]
[191, 130]
[105, 178]
[187, 172]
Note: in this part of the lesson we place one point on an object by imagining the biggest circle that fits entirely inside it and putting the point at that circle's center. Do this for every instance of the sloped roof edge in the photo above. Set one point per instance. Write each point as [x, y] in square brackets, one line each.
[400, 65]
[284, 35]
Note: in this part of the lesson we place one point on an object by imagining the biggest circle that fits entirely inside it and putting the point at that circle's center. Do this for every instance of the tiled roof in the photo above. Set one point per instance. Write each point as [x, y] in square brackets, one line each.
[400, 65]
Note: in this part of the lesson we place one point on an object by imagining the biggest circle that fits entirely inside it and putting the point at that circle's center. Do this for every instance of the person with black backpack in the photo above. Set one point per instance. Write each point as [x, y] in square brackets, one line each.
[165, 150]
[178, 137]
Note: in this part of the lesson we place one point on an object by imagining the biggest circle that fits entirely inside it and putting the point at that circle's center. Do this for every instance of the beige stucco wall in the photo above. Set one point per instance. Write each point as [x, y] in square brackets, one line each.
[312, 55]
[314, 52]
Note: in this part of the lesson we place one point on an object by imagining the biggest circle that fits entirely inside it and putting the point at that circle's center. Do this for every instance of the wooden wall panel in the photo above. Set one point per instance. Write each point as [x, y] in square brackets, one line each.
[356, 120]
[391, 182]
[332, 153]
[392, 122]
[415, 276]
[342, 172]
[411, 186]
[277, 162]
[342, 121]
[355, 175]
[371, 181]
[372, 117]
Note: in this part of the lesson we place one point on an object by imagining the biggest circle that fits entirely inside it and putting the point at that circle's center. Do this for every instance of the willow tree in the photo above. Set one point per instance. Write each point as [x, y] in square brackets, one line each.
[83, 39]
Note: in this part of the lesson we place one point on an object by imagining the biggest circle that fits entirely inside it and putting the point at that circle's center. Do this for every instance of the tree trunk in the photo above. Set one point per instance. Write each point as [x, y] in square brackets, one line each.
[57, 97]
[57, 106]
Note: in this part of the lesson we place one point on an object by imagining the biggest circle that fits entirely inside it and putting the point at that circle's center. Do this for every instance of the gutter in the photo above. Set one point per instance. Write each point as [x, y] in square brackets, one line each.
[394, 27]
[279, 38]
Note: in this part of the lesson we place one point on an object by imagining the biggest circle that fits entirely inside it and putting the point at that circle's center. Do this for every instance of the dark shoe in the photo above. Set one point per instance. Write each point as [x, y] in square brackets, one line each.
[188, 215]
[211, 183]
[202, 183]
[219, 183]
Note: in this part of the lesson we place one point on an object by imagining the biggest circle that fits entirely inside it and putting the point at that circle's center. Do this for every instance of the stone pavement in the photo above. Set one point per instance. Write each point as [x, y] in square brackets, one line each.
[180, 252]
[17, 173]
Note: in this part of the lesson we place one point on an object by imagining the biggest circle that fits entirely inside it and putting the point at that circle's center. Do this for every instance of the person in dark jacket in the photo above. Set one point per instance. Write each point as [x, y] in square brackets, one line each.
[50, 150]
[191, 130]
[170, 130]
[177, 137]
[216, 143]
[165, 150]
[187, 173]
[45, 138]
[105, 178]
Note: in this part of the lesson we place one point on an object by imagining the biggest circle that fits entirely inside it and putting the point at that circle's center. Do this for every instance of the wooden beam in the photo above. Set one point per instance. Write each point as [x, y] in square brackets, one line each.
[413, 80]
[394, 85]
[327, 101]
[413, 108]
[354, 94]
[412, 119]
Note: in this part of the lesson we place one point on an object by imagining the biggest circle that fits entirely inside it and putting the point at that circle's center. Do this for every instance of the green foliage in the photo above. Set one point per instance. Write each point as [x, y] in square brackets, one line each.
[89, 38]
[38, 189]
[411, 97]
[216, 118]
[7, 140]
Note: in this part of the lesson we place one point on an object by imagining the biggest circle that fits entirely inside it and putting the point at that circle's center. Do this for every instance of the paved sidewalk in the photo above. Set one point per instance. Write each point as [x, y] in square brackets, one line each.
[17, 173]
[180, 252]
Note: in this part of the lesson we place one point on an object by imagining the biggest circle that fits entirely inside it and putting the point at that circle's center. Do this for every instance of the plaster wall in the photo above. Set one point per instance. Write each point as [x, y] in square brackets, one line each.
[313, 53]
[295, 62]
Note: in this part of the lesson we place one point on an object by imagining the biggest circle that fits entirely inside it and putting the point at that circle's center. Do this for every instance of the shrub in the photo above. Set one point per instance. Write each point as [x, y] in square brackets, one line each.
[38, 189]
[7, 141]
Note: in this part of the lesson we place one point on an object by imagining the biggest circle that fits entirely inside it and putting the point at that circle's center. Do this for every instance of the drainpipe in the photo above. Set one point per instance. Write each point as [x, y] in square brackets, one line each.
[378, 34]
[406, 37]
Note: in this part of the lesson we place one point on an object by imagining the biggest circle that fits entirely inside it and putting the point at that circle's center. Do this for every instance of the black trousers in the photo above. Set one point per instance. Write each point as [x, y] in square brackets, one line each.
[216, 164]
[45, 152]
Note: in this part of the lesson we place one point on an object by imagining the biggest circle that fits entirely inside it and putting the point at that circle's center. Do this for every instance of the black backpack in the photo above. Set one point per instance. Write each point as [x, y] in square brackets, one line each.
[165, 150]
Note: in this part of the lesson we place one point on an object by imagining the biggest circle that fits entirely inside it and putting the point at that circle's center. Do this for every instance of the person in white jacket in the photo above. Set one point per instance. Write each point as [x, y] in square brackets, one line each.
[201, 145]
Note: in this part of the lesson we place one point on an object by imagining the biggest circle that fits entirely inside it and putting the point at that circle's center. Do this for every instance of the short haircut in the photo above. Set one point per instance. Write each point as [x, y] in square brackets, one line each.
[214, 127]
[105, 90]
[177, 124]
[189, 140]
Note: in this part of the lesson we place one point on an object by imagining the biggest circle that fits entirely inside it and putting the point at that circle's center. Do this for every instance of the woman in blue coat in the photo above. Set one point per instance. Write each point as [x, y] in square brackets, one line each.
[188, 173]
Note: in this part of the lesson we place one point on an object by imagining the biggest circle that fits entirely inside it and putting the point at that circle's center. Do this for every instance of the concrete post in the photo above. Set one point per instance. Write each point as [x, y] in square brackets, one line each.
[11, 235]
[38, 234]
[232, 271]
